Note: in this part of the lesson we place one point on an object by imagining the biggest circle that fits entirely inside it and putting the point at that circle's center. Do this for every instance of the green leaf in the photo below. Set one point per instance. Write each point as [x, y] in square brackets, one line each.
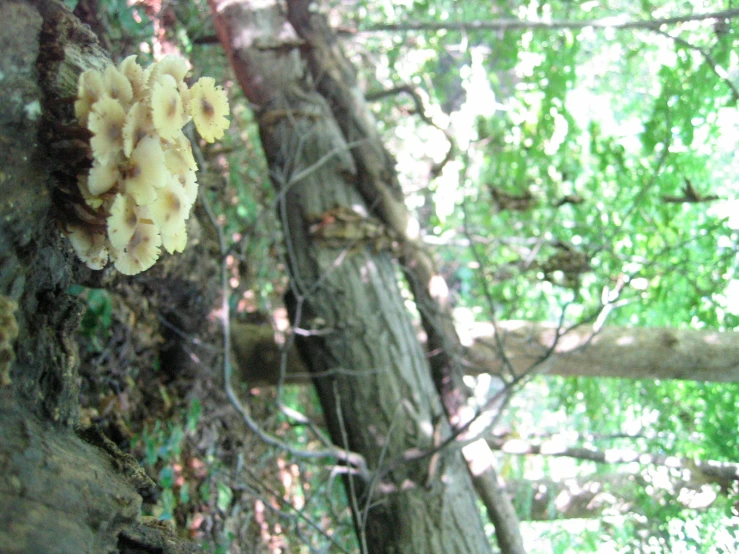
[225, 497]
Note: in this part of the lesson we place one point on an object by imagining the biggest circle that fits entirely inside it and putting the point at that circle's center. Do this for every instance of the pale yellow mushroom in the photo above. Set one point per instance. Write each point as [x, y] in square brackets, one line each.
[141, 252]
[178, 166]
[106, 122]
[142, 181]
[122, 221]
[102, 178]
[170, 208]
[135, 75]
[117, 86]
[169, 65]
[209, 108]
[89, 247]
[167, 110]
[93, 201]
[175, 238]
[138, 125]
[145, 171]
[89, 91]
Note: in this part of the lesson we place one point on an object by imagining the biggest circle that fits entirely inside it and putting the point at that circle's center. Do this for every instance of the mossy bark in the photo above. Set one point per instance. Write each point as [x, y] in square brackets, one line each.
[58, 492]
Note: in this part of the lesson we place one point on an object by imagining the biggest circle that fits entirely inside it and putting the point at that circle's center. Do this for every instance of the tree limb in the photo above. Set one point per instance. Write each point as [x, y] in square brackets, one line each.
[616, 22]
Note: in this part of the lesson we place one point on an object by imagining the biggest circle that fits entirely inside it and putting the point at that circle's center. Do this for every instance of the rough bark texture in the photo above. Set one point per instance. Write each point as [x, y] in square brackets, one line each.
[380, 400]
[46, 490]
[59, 493]
[34, 271]
[641, 353]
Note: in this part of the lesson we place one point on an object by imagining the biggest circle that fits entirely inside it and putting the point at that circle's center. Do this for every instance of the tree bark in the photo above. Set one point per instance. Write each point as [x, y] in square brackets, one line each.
[61, 491]
[642, 353]
[378, 399]
[377, 181]
[520, 24]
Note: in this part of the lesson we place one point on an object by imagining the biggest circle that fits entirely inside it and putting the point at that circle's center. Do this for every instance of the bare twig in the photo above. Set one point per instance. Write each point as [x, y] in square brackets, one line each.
[353, 459]
[616, 22]
[436, 168]
[709, 469]
[278, 498]
[710, 60]
[352, 488]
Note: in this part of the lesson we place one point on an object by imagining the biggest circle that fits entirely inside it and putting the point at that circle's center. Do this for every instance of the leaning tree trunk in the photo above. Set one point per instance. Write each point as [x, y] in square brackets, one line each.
[336, 80]
[63, 489]
[375, 386]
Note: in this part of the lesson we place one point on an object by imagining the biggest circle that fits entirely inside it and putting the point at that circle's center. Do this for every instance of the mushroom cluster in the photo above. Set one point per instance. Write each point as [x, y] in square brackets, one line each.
[142, 182]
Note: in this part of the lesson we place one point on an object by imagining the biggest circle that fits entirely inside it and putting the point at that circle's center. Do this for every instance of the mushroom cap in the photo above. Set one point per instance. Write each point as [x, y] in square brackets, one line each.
[102, 178]
[185, 95]
[174, 239]
[170, 208]
[106, 122]
[184, 177]
[93, 201]
[166, 108]
[122, 221]
[175, 66]
[89, 247]
[184, 151]
[118, 86]
[141, 252]
[209, 108]
[89, 91]
[139, 124]
[135, 75]
[145, 171]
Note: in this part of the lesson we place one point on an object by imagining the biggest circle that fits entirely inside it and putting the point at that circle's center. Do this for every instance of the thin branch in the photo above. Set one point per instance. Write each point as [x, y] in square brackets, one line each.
[353, 459]
[274, 497]
[709, 469]
[352, 488]
[615, 22]
[710, 60]
[436, 168]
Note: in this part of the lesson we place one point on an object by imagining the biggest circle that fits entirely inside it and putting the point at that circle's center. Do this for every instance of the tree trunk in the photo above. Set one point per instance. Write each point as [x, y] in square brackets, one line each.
[502, 25]
[641, 353]
[61, 491]
[617, 352]
[377, 181]
[378, 397]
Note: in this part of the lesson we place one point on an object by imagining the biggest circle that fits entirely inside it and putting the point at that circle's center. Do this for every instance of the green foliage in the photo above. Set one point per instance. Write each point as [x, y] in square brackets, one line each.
[685, 418]
[97, 319]
[622, 120]
[99, 311]
[163, 456]
[133, 22]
